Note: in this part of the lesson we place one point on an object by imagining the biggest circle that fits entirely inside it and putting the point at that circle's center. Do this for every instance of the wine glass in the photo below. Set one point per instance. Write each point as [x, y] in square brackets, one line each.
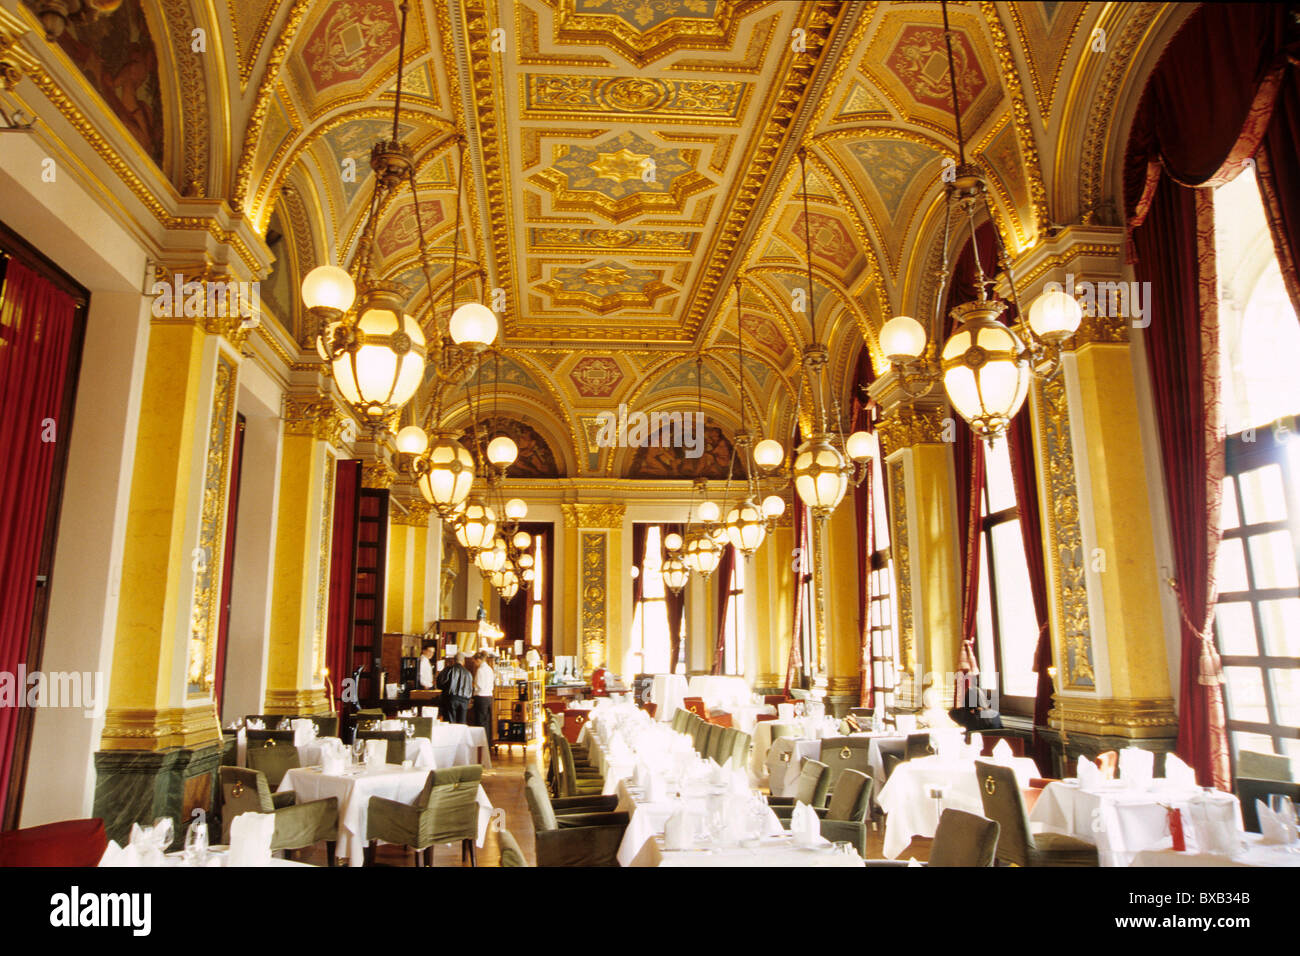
[196, 844]
[1285, 811]
[163, 829]
[358, 750]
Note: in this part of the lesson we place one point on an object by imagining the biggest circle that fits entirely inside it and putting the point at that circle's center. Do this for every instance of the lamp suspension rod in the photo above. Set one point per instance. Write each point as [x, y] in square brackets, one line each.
[807, 236]
[401, 59]
[952, 81]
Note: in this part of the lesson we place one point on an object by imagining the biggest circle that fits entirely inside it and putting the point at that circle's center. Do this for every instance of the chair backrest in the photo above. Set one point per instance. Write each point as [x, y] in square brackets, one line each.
[1249, 790]
[845, 753]
[423, 725]
[774, 699]
[851, 798]
[555, 707]
[243, 790]
[452, 804]
[696, 706]
[721, 718]
[65, 843]
[740, 744]
[262, 736]
[798, 693]
[539, 804]
[305, 824]
[1262, 766]
[396, 742]
[650, 708]
[568, 769]
[783, 730]
[573, 721]
[964, 839]
[679, 720]
[1017, 744]
[892, 753]
[511, 854]
[918, 745]
[273, 759]
[703, 737]
[720, 744]
[1003, 803]
[327, 725]
[814, 781]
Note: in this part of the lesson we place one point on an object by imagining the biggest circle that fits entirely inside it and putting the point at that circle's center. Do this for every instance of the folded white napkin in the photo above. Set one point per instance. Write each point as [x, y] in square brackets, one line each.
[304, 731]
[250, 839]
[1272, 827]
[913, 862]
[376, 752]
[150, 843]
[738, 784]
[655, 789]
[390, 724]
[1002, 752]
[679, 831]
[115, 855]
[255, 725]
[977, 742]
[1090, 776]
[805, 826]
[785, 711]
[241, 738]
[641, 776]
[1178, 773]
[1137, 767]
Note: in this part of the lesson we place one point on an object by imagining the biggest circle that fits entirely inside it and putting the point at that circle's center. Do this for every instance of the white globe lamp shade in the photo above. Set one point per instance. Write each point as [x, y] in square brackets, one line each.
[709, 511]
[528, 574]
[702, 554]
[412, 440]
[447, 474]
[673, 541]
[1055, 316]
[773, 506]
[476, 527]
[636, 572]
[493, 558]
[526, 561]
[516, 509]
[768, 453]
[819, 476]
[745, 527]
[902, 339]
[502, 451]
[985, 369]
[861, 446]
[675, 573]
[719, 535]
[510, 588]
[522, 540]
[385, 365]
[473, 325]
[328, 287]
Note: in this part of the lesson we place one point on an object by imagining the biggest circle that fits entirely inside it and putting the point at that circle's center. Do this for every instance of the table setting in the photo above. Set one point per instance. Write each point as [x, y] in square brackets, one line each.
[250, 845]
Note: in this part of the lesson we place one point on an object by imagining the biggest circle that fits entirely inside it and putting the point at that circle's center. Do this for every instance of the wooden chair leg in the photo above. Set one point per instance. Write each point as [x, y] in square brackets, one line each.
[419, 856]
[368, 857]
[329, 852]
[428, 856]
[468, 845]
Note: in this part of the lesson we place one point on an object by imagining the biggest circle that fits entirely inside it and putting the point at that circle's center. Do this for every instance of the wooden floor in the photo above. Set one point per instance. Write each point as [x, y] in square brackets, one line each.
[504, 785]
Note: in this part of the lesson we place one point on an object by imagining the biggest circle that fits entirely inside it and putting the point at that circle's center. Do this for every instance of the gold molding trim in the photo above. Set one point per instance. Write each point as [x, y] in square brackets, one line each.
[323, 570]
[1115, 716]
[604, 516]
[315, 417]
[377, 475]
[902, 555]
[905, 426]
[844, 687]
[312, 700]
[153, 730]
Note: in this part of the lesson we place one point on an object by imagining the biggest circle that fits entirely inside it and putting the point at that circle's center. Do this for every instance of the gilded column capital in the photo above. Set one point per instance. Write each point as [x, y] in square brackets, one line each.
[202, 295]
[317, 417]
[416, 514]
[609, 516]
[907, 425]
[377, 475]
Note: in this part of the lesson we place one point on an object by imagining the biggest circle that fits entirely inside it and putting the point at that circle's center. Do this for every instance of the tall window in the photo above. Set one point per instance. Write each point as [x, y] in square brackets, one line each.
[653, 652]
[880, 615]
[539, 606]
[803, 575]
[733, 655]
[1257, 619]
[1006, 624]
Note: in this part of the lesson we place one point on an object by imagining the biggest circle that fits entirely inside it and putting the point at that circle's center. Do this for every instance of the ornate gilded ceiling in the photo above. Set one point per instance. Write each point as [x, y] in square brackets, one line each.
[627, 160]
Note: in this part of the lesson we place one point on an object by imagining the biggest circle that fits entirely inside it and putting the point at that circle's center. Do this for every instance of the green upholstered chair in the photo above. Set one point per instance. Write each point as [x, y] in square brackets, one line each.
[327, 725]
[1249, 790]
[1017, 845]
[705, 737]
[735, 748]
[784, 730]
[810, 788]
[563, 806]
[845, 753]
[445, 811]
[964, 839]
[575, 839]
[680, 719]
[262, 736]
[297, 825]
[511, 854]
[274, 758]
[720, 744]
[1261, 766]
[845, 818]
[575, 781]
[892, 752]
[918, 745]
[396, 743]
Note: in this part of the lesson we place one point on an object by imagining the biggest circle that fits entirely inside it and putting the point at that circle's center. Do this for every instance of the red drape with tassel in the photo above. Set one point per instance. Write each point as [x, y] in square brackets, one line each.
[863, 505]
[674, 602]
[343, 573]
[803, 544]
[725, 567]
[36, 325]
[1206, 111]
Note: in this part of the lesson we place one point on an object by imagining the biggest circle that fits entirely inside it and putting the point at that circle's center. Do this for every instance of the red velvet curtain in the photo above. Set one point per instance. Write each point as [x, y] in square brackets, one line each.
[1278, 169]
[1204, 114]
[228, 562]
[725, 568]
[514, 616]
[674, 601]
[802, 544]
[36, 324]
[1024, 472]
[343, 572]
[638, 561]
[863, 503]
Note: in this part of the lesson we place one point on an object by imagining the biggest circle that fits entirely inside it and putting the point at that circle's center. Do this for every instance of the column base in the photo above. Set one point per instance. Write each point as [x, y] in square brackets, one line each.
[1090, 745]
[138, 786]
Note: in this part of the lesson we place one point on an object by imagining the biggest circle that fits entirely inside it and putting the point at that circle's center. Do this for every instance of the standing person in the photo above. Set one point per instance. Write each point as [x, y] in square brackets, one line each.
[424, 676]
[456, 686]
[485, 681]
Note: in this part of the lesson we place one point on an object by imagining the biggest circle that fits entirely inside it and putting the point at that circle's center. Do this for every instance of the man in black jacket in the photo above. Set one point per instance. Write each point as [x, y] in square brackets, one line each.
[457, 686]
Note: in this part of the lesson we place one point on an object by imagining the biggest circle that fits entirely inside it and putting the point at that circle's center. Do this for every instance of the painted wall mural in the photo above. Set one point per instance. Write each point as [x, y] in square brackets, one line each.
[672, 462]
[350, 37]
[536, 459]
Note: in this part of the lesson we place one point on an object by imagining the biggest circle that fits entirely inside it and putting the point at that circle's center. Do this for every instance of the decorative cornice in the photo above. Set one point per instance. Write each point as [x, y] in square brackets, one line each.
[193, 96]
[377, 475]
[131, 729]
[316, 417]
[608, 516]
[416, 515]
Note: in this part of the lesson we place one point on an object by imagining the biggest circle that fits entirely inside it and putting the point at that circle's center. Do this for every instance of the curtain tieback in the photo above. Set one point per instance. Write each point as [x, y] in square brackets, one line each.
[1210, 666]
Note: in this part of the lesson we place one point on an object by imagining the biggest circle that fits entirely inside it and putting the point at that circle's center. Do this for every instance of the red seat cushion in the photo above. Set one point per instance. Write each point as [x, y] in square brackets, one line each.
[66, 843]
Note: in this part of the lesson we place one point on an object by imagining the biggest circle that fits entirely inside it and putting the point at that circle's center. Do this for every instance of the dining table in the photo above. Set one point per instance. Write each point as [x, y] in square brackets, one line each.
[667, 692]
[920, 789]
[1124, 819]
[355, 786]
[1250, 850]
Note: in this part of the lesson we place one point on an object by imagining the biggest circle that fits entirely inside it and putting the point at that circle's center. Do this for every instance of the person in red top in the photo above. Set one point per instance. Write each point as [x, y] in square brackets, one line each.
[598, 682]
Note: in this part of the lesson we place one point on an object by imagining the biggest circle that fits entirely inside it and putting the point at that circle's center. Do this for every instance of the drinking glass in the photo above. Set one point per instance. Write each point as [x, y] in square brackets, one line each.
[358, 750]
[196, 844]
[1285, 810]
[163, 829]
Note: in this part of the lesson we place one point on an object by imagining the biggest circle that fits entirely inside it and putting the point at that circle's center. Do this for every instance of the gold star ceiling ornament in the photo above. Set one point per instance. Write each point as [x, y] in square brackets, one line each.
[621, 166]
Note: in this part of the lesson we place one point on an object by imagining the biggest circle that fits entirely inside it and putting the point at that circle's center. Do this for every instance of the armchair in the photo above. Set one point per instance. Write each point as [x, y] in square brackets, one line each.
[445, 811]
[579, 839]
[297, 825]
[814, 781]
[1017, 845]
[846, 817]
[961, 839]
[845, 753]
[274, 759]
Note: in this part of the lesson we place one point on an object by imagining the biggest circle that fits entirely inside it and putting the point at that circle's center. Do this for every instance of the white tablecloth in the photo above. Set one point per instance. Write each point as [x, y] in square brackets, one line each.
[667, 692]
[456, 745]
[354, 792]
[911, 811]
[783, 774]
[612, 771]
[1253, 852]
[719, 692]
[1123, 822]
[744, 717]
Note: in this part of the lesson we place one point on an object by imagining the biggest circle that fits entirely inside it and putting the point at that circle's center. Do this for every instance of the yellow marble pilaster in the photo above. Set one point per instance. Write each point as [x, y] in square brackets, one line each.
[840, 557]
[295, 679]
[160, 690]
[399, 535]
[773, 577]
[598, 532]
